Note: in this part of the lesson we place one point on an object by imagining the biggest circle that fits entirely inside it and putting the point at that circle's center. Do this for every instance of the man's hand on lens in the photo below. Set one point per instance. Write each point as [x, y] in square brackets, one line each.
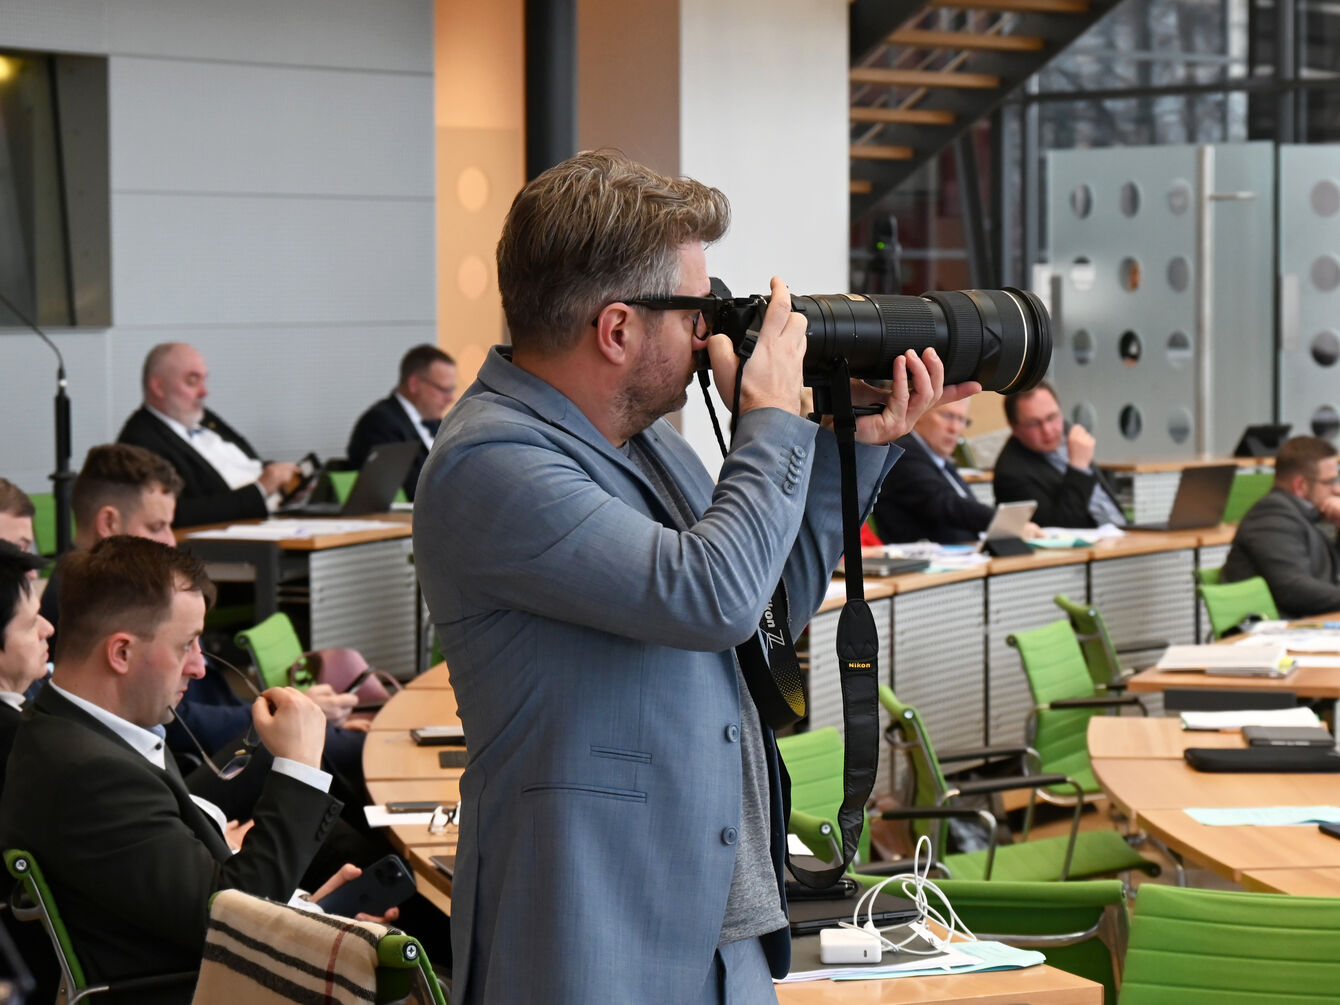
[917, 386]
[774, 375]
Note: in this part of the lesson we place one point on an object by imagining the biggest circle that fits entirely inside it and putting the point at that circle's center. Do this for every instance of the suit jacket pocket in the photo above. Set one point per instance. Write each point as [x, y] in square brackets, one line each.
[575, 788]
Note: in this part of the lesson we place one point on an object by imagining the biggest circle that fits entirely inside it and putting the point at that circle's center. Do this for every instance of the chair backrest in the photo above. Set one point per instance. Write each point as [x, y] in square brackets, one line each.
[44, 522]
[274, 647]
[908, 733]
[1228, 603]
[1208, 576]
[254, 944]
[1082, 926]
[33, 885]
[1056, 670]
[1225, 947]
[1247, 488]
[1100, 654]
[814, 763]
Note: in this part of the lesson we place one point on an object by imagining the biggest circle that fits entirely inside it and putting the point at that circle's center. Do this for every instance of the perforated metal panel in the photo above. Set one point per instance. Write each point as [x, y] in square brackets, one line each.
[1309, 222]
[364, 597]
[939, 665]
[825, 705]
[1152, 494]
[1014, 602]
[983, 492]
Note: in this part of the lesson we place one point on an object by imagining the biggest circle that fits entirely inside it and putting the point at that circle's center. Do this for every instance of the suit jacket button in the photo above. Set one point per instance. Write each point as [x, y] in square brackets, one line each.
[732, 732]
[799, 451]
[729, 835]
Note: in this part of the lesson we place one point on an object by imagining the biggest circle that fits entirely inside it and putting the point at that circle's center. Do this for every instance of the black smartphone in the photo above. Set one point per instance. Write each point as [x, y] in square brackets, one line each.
[452, 758]
[1332, 829]
[445, 864]
[385, 884]
[413, 805]
[438, 736]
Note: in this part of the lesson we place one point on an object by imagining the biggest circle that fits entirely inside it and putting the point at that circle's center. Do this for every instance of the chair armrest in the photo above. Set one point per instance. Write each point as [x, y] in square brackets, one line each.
[817, 833]
[1096, 702]
[983, 786]
[982, 754]
[1141, 645]
[936, 813]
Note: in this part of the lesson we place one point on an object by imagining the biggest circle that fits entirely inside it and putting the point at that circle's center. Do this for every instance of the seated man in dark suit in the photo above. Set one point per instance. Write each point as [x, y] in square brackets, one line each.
[924, 497]
[16, 516]
[23, 660]
[412, 412]
[132, 858]
[222, 478]
[1043, 462]
[1289, 537]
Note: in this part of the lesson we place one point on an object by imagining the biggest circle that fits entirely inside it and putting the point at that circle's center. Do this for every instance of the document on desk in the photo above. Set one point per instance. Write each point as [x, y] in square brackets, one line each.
[280, 530]
[1266, 816]
[1301, 640]
[1267, 656]
[959, 958]
[1299, 715]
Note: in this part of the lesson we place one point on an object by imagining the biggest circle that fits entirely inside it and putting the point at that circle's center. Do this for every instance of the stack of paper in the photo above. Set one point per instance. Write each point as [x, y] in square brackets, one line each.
[1300, 715]
[1270, 656]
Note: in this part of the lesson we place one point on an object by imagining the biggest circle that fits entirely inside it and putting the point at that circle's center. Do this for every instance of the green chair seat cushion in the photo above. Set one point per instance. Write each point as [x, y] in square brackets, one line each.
[1097, 853]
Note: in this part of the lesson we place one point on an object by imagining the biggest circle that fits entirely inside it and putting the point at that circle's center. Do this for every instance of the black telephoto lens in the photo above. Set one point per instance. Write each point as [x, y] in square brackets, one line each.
[1001, 338]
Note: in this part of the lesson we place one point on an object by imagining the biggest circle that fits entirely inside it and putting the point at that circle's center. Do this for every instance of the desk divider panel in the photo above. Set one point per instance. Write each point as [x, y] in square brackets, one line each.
[1014, 602]
[1147, 597]
[939, 651]
[363, 597]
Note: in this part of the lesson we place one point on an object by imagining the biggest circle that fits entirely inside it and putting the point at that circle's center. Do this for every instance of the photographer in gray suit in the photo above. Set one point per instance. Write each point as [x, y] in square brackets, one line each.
[622, 811]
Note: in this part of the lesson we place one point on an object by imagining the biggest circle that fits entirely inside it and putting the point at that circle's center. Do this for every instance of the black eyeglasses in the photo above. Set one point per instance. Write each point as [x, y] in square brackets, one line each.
[242, 756]
[705, 307]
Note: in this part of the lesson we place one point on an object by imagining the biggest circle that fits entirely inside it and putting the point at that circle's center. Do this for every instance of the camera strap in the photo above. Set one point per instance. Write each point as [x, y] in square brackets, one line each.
[768, 658]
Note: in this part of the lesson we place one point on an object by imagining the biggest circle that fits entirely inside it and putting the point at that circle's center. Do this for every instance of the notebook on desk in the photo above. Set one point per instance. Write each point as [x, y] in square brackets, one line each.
[1201, 495]
[379, 479]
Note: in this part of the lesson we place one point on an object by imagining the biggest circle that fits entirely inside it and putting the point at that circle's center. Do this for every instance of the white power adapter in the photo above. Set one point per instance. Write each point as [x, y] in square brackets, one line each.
[849, 945]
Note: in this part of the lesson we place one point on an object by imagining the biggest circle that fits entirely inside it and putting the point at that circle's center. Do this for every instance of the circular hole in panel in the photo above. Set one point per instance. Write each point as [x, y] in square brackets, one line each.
[1081, 200]
[1082, 274]
[1130, 348]
[1131, 422]
[472, 189]
[1179, 425]
[1085, 415]
[1326, 273]
[1325, 422]
[1326, 347]
[1179, 349]
[1179, 197]
[1129, 199]
[1179, 274]
[1129, 274]
[1083, 347]
[1325, 197]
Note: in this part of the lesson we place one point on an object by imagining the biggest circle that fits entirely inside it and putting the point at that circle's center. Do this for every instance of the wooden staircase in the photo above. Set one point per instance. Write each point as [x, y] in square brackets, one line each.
[923, 71]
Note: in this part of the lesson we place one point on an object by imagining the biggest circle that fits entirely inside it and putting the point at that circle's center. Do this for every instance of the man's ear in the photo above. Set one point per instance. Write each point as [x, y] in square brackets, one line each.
[613, 330]
[107, 522]
[116, 647]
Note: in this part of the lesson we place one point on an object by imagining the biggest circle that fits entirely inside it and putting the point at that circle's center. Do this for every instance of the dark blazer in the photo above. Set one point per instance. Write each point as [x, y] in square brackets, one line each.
[205, 497]
[131, 860]
[10, 718]
[917, 502]
[1063, 499]
[1281, 540]
[386, 422]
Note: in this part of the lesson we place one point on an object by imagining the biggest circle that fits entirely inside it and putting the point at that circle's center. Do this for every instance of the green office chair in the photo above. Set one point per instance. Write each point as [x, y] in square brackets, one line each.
[342, 483]
[275, 649]
[1229, 603]
[31, 900]
[1221, 947]
[1076, 856]
[1109, 665]
[1247, 488]
[44, 523]
[1208, 576]
[1065, 698]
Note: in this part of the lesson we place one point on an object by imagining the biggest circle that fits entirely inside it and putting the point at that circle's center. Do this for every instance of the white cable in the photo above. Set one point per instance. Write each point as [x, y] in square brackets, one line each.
[915, 885]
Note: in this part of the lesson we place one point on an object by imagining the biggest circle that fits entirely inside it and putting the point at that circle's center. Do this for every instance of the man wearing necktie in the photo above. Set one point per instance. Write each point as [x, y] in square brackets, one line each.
[924, 497]
[411, 412]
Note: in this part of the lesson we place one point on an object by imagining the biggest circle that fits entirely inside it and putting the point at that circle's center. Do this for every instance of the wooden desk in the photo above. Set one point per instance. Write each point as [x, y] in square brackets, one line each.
[1138, 785]
[1305, 681]
[1136, 736]
[1231, 851]
[408, 709]
[1035, 985]
[358, 589]
[1299, 882]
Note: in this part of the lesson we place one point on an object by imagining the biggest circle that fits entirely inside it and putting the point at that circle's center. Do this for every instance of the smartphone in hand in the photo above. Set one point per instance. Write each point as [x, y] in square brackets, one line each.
[385, 884]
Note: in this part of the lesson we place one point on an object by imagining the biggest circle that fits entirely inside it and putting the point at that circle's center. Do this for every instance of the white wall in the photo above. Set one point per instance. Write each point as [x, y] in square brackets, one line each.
[272, 203]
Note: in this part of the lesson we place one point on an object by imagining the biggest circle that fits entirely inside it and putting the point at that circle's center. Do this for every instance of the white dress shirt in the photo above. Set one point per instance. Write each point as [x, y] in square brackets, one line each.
[416, 420]
[12, 699]
[228, 459]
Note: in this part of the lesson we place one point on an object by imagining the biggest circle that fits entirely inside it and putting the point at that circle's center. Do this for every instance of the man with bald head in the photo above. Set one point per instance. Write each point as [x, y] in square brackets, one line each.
[222, 477]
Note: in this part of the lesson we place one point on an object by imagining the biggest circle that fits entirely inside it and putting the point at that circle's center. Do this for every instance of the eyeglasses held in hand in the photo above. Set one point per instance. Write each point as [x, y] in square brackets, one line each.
[444, 820]
[242, 756]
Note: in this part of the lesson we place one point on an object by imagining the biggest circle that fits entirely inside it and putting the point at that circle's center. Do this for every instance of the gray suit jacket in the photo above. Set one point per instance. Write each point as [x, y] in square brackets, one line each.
[1280, 540]
[590, 647]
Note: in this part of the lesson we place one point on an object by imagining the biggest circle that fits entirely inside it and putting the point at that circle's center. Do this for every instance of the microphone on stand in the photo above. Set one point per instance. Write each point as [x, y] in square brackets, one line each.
[62, 478]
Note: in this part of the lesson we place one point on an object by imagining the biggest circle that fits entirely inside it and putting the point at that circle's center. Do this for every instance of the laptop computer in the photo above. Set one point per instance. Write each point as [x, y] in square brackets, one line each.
[1201, 495]
[379, 479]
[1262, 441]
[809, 916]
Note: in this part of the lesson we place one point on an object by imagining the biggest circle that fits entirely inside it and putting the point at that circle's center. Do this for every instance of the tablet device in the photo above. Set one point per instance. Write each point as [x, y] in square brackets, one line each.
[310, 470]
[1009, 520]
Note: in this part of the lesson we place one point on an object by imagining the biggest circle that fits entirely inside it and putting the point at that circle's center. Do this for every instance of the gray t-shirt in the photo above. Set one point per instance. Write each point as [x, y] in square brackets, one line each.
[753, 906]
